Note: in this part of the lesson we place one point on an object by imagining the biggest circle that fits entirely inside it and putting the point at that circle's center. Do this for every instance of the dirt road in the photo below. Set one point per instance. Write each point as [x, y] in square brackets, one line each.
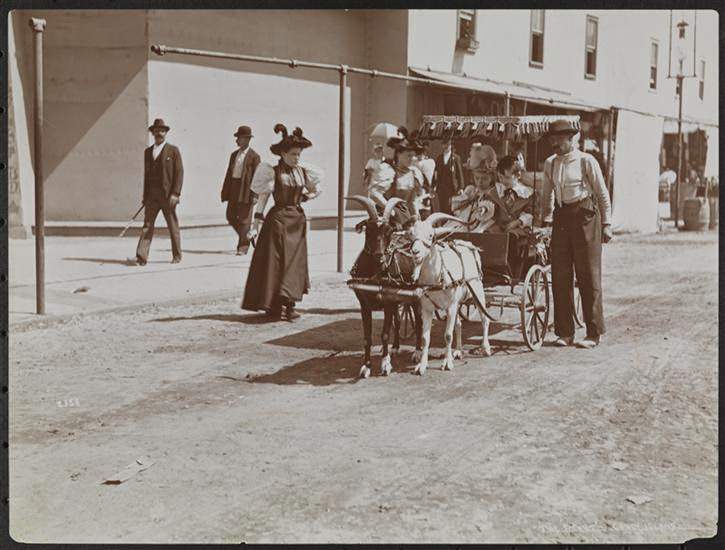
[263, 433]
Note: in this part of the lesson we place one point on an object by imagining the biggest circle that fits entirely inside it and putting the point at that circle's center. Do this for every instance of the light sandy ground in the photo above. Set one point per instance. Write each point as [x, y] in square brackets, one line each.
[262, 433]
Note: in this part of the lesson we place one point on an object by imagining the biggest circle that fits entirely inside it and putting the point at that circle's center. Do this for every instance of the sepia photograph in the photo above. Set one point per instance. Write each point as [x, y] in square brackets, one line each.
[362, 275]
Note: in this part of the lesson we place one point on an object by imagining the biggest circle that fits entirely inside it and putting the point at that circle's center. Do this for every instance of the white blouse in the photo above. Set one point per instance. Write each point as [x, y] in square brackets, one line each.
[263, 180]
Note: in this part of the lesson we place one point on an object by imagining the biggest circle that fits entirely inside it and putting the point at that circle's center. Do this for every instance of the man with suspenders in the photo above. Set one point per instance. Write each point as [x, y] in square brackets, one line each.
[576, 203]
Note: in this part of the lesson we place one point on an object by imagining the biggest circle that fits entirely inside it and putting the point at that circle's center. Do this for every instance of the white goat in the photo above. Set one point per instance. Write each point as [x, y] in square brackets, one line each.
[448, 272]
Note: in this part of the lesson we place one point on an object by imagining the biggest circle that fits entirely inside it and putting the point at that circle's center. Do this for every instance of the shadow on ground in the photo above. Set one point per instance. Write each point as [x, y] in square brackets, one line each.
[128, 261]
[250, 319]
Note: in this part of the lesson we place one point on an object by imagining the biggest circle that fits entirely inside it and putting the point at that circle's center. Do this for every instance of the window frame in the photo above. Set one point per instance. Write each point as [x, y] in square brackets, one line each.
[595, 20]
[654, 42]
[542, 32]
[701, 79]
[472, 13]
[467, 44]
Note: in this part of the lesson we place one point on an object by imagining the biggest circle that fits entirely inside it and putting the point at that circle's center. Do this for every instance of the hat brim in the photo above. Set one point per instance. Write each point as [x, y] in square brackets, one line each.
[279, 148]
[152, 128]
[238, 134]
[567, 132]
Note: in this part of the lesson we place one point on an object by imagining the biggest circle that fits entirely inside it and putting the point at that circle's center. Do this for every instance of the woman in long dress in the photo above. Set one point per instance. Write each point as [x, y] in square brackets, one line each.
[400, 177]
[278, 275]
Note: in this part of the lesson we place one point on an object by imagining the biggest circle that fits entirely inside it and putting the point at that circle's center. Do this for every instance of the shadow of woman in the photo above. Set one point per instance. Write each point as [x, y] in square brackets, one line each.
[250, 319]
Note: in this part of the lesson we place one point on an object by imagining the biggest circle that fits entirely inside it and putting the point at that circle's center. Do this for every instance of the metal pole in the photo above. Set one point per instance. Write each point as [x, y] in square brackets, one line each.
[610, 163]
[508, 113]
[341, 170]
[38, 26]
[669, 63]
[681, 87]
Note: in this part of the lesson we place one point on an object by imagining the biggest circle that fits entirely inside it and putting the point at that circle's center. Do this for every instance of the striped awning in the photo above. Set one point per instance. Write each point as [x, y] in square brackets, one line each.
[514, 128]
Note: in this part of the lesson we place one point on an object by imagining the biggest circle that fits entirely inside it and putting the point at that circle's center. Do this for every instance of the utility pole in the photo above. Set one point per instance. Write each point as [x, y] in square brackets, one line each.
[680, 87]
[38, 26]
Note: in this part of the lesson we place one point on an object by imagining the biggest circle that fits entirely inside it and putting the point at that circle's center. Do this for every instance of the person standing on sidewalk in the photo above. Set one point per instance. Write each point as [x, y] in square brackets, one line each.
[163, 176]
[237, 187]
[278, 275]
[576, 202]
[448, 177]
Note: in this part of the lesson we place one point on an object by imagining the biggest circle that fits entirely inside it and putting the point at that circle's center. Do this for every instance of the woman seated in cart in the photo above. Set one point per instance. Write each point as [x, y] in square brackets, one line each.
[471, 204]
[400, 177]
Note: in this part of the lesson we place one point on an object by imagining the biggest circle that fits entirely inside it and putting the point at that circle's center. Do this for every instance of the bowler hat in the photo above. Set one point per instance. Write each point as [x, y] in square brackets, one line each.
[243, 131]
[159, 123]
[559, 127]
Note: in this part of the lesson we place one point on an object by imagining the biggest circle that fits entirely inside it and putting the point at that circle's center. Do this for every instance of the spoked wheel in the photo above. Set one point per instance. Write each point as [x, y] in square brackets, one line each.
[407, 322]
[535, 301]
[577, 313]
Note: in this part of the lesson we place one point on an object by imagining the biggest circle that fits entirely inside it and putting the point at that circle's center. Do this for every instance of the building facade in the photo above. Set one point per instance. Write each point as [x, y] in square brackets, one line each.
[103, 86]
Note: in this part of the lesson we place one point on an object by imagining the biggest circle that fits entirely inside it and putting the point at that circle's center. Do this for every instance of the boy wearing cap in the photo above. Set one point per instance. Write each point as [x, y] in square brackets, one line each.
[162, 180]
[237, 191]
[576, 203]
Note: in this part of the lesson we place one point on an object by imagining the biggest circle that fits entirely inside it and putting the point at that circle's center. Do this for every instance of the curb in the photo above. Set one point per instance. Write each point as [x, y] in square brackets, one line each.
[52, 321]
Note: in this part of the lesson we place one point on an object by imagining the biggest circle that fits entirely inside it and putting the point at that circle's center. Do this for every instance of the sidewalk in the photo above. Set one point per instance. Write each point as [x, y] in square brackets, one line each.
[92, 274]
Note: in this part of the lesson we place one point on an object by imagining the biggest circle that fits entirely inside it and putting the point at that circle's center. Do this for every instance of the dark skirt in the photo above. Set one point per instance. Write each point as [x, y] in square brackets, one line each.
[279, 265]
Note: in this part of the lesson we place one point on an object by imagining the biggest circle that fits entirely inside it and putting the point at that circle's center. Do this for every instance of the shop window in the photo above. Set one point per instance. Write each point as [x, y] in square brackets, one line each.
[654, 51]
[590, 48]
[466, 35]
[701, 90]
[536, 55]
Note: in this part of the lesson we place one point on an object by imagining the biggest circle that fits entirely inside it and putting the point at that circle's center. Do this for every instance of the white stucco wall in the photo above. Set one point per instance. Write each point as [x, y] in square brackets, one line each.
[622, 59]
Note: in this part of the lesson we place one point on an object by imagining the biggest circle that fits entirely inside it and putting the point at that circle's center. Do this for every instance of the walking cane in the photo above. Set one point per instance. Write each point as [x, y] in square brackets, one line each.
[132, 220]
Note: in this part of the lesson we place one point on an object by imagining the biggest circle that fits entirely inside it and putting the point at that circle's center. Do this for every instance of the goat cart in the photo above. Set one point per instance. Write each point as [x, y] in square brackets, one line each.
[517, 271]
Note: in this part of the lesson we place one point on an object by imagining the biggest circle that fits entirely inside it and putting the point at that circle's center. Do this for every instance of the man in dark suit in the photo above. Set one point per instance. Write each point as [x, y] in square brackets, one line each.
[448, 177]
[237, 188]
[163, 177]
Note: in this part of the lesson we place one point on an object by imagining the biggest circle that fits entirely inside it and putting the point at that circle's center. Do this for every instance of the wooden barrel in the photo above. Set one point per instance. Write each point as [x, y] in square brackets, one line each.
[714, 211]
[696, 214]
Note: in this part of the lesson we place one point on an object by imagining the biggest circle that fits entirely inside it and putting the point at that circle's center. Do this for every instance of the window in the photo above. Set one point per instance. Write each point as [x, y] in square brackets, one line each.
[536, 55]
[590, 49]
[702, 79]
[466, 33]
[653, 53]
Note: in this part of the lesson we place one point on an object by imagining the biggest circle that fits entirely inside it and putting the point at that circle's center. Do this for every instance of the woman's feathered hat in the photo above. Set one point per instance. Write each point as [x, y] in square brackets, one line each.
[406, 141]
[296, 139]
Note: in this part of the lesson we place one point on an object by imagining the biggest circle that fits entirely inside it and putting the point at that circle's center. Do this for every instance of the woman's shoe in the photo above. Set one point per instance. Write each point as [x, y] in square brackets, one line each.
[274, 313]
[292, 314]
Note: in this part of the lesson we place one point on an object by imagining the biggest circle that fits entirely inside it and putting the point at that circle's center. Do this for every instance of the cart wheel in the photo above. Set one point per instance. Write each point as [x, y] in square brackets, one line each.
[534, 307]
[407, 322]
[578, 316]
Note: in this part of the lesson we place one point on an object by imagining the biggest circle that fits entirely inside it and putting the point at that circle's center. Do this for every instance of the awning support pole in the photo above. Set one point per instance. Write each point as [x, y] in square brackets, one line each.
[341, 163]
[508, 113]
[610, 163]
[38, 26]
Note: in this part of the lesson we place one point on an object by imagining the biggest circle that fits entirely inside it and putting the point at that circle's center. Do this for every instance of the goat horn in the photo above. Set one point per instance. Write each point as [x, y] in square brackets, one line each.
[440, 216]
[367, 203]
[389, 207]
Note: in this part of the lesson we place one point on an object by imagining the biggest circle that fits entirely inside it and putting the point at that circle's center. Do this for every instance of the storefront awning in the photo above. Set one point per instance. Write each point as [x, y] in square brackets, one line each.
[516, 91]
[514, 128]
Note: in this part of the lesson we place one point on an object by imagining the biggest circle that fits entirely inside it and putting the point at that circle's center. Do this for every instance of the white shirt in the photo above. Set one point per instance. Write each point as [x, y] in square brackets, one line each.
[238, 163]
[565, 183]
[156, 151]
[446, 156]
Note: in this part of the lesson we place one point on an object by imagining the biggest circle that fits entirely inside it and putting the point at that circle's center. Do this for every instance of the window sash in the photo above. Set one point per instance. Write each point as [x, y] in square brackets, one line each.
[591, 32]
[537, 21]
